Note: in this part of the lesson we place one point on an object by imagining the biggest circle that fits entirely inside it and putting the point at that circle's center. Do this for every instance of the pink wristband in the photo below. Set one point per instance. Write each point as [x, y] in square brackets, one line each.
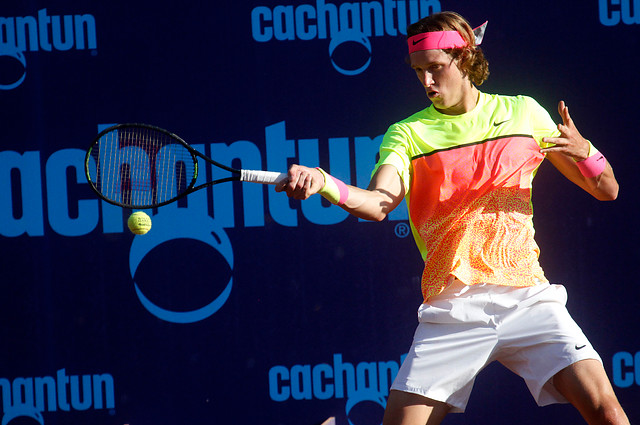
[592, 166]
[342, 187]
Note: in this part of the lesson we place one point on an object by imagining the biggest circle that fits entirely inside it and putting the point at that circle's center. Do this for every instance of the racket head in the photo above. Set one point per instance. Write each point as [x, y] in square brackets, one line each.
[140, 166]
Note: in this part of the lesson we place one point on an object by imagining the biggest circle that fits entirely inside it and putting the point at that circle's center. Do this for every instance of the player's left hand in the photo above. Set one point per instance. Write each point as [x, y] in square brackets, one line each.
[570, 142]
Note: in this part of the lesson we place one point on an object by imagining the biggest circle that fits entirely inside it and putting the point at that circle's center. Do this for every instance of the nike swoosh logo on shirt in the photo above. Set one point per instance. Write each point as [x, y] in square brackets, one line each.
[498, 123]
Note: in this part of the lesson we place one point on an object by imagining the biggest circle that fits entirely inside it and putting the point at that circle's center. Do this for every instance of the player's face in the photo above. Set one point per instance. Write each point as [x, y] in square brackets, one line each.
[450, 92]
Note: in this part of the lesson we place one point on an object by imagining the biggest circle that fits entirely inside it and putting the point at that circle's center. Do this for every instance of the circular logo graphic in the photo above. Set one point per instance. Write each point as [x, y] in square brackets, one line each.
[180, 223]
[362, 395]
[21, 410]
[345, 36]
[13, 52]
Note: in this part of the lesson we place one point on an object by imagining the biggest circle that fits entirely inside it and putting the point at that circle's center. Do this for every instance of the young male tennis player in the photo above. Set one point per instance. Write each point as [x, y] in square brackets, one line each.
[465, 166]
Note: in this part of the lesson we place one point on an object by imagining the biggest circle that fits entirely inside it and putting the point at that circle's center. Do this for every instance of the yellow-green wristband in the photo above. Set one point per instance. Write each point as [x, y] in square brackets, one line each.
[334, 190]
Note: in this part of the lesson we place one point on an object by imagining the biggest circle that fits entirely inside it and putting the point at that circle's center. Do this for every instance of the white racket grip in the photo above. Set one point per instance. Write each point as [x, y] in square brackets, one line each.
[264, 177]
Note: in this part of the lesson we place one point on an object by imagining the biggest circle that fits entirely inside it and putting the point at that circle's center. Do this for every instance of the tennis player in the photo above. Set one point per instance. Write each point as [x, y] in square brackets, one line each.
[465, 165]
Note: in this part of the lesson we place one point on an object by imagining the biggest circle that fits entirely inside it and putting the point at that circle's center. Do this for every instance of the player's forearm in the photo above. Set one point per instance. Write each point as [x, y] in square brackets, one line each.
[385, 191]
[368, 204]
[603, 187]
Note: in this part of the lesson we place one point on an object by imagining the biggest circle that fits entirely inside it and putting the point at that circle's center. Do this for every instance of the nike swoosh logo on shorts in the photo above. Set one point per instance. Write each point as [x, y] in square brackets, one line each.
[580, 347]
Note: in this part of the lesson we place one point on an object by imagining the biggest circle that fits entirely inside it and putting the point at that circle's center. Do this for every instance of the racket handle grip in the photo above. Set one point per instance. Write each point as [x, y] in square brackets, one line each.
[264, 177]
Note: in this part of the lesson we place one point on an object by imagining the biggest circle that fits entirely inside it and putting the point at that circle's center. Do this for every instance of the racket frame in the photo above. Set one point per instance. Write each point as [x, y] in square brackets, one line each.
[191, 187]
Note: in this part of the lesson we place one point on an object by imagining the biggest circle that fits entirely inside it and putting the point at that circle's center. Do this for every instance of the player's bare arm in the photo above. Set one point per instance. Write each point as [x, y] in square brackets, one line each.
[570, 148]
[383, 195]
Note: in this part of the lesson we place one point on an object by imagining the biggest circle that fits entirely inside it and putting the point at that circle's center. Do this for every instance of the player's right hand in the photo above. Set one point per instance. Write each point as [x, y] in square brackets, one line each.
[302, 182]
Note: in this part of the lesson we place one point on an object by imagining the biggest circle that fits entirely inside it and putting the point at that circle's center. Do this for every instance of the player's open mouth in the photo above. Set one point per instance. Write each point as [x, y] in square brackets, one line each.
[431, 93]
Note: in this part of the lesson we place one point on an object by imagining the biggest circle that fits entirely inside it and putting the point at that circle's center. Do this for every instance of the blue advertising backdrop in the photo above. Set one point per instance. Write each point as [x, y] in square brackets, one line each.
[241, 306]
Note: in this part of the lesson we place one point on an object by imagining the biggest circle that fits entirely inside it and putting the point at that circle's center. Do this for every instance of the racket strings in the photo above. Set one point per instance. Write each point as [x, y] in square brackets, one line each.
[142, 166]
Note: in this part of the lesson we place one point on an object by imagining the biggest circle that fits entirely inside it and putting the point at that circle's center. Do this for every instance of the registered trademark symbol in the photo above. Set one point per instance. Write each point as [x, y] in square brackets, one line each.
[402, 230]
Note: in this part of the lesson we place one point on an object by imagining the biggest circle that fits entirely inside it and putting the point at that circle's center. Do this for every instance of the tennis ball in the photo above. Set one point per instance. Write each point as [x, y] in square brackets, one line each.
[139, 223]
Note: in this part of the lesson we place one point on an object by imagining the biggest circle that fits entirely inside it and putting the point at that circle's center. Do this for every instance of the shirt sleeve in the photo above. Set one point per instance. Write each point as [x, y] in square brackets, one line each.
[543, 124]
[393, 151]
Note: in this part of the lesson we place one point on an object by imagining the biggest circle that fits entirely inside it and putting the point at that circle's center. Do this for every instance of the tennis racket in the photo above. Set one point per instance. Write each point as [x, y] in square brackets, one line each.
[141, 166]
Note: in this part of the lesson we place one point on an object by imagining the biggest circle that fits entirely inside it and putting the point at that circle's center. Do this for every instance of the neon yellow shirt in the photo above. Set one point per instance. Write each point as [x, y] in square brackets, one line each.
[468, 189]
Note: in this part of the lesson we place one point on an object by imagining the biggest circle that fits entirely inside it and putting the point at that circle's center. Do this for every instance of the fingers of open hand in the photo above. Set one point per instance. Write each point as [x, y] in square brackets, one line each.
[559, 145]
[570, 141]
[573, 147]
[563, 110]
[567, 130]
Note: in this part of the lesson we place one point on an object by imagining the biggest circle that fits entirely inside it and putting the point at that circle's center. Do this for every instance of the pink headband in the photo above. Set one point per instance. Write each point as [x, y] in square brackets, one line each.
[443, 39]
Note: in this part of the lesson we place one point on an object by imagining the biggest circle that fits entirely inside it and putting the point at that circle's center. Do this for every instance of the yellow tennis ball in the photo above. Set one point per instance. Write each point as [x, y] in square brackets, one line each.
[139, 223]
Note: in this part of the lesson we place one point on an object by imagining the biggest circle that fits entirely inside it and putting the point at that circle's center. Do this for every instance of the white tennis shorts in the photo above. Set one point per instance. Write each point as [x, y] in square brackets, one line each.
[460, 331]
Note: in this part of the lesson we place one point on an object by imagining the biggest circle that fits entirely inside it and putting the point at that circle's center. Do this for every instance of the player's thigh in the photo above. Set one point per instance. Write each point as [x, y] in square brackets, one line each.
[585, 382]
[586, 385]
[405, 408]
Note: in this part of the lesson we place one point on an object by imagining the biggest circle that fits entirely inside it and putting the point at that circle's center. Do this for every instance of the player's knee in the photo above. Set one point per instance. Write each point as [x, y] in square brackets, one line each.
[609, 412]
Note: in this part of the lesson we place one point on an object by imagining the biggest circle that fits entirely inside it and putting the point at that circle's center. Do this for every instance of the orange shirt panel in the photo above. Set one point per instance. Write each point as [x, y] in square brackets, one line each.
[472, 207]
